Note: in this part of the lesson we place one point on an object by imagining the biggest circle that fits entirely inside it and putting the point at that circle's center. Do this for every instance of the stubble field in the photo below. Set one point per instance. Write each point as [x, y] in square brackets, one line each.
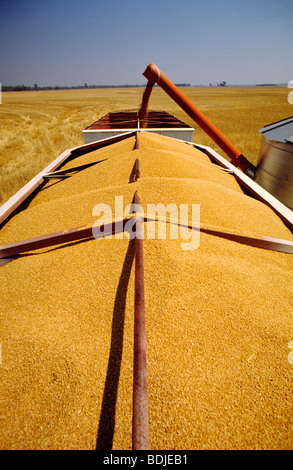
[37, 126]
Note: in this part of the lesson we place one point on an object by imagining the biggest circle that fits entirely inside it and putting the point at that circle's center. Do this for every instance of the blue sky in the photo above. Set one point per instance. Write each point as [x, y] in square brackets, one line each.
[72, 42]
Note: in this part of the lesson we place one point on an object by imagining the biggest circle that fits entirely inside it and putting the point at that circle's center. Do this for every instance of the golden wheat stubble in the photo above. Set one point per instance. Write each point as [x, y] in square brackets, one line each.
[51, 121]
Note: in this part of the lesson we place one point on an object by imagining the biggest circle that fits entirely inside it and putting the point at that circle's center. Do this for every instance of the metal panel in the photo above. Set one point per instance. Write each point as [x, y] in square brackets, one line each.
[279, 131]
[275, 170]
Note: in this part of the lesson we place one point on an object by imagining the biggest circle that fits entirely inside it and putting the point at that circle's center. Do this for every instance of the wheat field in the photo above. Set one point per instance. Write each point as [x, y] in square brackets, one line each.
[37, 126]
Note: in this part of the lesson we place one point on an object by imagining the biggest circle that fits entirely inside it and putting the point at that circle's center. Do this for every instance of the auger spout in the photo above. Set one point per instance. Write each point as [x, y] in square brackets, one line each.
[154, 75]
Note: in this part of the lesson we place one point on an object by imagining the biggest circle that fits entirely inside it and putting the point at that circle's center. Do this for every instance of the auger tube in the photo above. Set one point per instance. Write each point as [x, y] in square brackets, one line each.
[154, 75]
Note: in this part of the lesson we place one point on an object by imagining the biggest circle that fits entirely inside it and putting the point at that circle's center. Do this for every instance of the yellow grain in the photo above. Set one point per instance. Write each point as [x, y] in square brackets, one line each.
[67, 315]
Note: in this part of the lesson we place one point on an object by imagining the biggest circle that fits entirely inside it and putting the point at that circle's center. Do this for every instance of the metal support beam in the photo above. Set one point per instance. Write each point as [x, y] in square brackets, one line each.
[136, 170]
[135, 173]
[136, 145]
[58, 238]
[140, 423]
[68, 172]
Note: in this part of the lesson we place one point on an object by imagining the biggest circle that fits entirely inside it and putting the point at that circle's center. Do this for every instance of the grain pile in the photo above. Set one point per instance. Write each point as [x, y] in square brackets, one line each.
[218, 319]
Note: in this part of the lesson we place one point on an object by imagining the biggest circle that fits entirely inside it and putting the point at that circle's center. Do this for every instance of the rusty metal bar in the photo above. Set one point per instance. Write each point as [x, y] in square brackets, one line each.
[154, 75]
[13, 249]
[59, 176]
[67, 172]
[136, 145]
[86, 148]
[136, 170]
[57, 238]
[265, 243]
[135, 173]
[44, 241]
[140, 422]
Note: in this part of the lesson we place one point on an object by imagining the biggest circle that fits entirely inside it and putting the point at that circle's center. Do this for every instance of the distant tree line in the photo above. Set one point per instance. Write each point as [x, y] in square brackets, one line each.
[78, 87]
[85, 86]
[57, 87]
[16, 88]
